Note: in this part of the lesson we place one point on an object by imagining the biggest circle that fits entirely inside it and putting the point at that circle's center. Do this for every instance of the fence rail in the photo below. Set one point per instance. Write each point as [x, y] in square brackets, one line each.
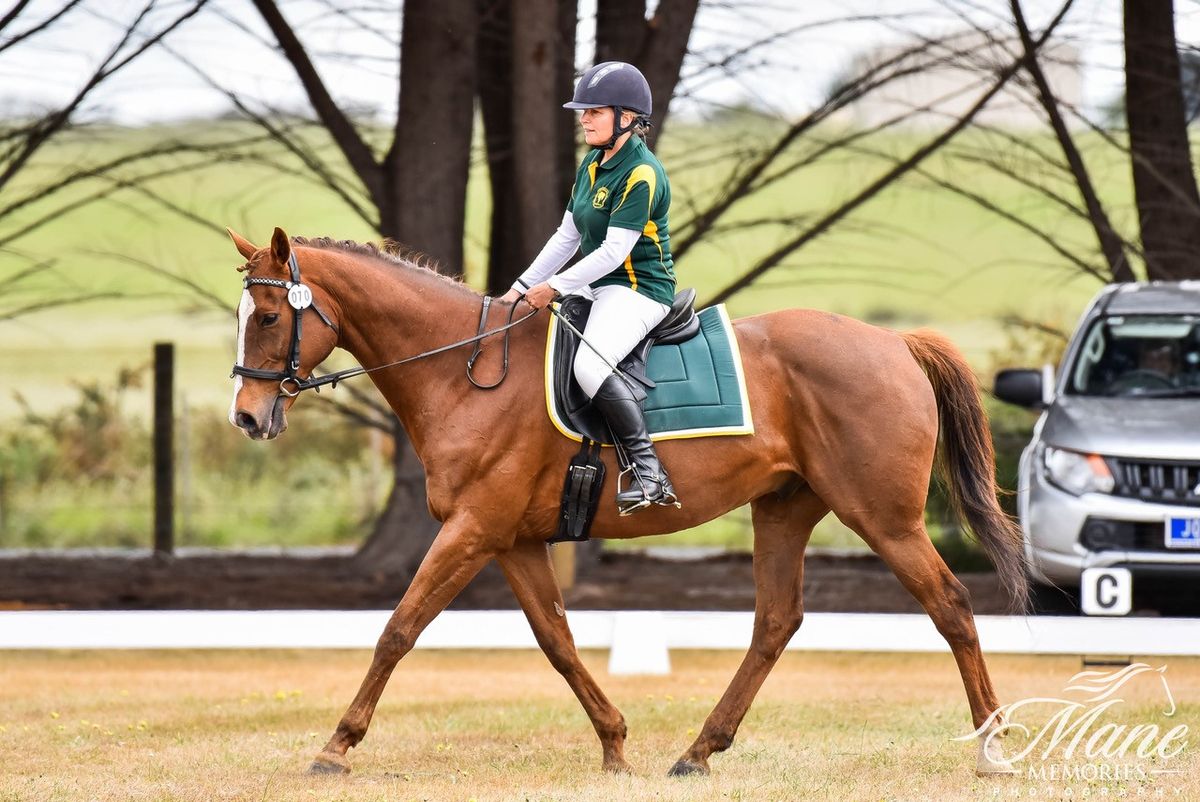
[505, 629]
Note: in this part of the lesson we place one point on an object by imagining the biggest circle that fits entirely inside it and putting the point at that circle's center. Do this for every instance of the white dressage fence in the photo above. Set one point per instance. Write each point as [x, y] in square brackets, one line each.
[639, 641]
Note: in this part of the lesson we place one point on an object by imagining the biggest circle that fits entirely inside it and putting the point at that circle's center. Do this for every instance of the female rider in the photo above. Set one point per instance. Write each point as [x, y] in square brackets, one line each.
[617, 215]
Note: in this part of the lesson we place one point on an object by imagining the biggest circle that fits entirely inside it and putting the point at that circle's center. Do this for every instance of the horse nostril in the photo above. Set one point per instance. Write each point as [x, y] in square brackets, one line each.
[246, 421]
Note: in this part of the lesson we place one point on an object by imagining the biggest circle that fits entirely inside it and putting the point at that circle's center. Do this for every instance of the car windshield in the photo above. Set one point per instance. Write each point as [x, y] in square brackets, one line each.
[1139, 355]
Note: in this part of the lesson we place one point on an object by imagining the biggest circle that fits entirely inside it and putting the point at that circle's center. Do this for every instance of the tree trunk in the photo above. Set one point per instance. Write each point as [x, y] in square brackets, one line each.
[425, 178]
[620, 30]
[530, 142]
[1163, 183]
[520, 58]
[404, 530]
[656, 46]
[566, 155]
[537, 108]
[495, 106]
[426, 170]
[661, 58]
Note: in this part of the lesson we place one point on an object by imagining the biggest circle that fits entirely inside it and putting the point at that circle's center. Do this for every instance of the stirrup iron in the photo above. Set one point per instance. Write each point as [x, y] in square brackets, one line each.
[665, 498]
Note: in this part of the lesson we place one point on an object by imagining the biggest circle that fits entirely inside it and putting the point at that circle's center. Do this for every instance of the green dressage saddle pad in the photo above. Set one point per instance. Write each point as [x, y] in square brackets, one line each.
[699, 386]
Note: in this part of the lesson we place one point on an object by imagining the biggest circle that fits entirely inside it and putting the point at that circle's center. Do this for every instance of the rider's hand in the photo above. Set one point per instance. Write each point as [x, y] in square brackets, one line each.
[512, 296]
[540, 295]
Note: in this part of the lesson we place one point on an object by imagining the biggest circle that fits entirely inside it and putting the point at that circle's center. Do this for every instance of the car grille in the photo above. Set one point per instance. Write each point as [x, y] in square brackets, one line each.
[1104, 534]
[1156, 480]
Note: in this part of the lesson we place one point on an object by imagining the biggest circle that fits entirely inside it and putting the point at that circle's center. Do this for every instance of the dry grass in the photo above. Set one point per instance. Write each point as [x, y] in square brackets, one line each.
[502, 726]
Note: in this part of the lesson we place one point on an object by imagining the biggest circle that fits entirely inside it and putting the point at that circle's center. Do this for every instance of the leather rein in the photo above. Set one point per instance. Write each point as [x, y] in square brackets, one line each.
[300, 298]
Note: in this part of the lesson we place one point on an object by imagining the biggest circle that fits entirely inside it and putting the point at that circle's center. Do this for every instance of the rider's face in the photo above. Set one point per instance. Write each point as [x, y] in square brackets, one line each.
[597, 125]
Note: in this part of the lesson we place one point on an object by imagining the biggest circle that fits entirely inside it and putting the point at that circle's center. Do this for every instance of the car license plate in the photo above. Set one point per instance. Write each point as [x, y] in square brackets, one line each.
[1183, 533]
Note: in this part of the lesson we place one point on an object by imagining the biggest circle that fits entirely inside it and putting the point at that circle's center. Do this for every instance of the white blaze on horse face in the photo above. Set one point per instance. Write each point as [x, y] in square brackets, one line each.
[245, 312]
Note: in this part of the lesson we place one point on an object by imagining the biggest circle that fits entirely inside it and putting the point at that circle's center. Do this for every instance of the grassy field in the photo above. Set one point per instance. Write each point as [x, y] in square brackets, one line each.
[914, 255]
[503, 726]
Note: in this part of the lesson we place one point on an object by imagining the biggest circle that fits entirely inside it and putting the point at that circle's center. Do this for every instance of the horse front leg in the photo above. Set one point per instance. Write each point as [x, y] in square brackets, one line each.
[531, 576]
[456, 556]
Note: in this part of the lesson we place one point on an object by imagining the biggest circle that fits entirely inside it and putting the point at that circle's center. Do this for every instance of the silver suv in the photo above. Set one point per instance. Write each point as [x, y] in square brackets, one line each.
[1111, 478]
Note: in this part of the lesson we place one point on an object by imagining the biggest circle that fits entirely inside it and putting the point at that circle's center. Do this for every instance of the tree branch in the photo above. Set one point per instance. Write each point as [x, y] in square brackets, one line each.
[56, 121]
[46, 23]
[742, 179]
[280, 135]
[779, 254]
[352, 145]
[41, 306]
[1111, 245]
[197, 289]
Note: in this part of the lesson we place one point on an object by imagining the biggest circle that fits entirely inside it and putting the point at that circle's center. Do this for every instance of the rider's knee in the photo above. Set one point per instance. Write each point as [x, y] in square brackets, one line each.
[590, 371]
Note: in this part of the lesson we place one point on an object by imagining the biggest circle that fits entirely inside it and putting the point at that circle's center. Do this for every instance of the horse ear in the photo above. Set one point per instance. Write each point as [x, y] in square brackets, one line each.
[281, 246]
[241, 243]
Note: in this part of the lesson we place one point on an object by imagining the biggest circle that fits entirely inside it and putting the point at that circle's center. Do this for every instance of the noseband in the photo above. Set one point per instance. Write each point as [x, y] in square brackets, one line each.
[300, 297]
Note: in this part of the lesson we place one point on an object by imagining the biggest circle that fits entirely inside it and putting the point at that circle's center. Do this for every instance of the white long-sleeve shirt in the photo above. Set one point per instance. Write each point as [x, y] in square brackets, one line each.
[562, 245]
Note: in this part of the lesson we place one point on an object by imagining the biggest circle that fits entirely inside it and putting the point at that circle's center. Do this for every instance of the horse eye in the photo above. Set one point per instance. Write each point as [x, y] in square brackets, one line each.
[269, 319]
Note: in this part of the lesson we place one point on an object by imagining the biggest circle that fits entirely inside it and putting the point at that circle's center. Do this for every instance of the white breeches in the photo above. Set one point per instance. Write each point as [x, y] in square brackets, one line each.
[619, 320]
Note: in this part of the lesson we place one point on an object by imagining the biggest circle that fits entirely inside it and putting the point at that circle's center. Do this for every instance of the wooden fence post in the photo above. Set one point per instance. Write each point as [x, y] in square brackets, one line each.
[164, 450]
[3, 501]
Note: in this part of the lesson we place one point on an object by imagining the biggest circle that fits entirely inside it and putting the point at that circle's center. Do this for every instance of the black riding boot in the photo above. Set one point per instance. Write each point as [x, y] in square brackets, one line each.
[649, 483]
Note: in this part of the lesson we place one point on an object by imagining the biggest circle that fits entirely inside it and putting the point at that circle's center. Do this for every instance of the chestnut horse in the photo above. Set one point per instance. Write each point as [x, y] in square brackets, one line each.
[846, 415]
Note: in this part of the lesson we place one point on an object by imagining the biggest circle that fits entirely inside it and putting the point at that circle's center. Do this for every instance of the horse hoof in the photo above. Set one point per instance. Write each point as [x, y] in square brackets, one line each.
[326, 763]
[617, 767]
[991, 761]
[684, 768]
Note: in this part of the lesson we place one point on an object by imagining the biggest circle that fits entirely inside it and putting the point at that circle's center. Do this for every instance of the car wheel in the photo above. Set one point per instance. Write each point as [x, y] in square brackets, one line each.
[1053, 600]
[1173, 600]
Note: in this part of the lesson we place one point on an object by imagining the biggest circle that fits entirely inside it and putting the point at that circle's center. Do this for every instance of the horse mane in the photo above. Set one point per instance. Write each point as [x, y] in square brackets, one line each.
[388, 251]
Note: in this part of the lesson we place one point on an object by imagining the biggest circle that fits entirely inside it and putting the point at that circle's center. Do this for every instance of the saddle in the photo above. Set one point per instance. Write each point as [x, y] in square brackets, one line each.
[680, 325]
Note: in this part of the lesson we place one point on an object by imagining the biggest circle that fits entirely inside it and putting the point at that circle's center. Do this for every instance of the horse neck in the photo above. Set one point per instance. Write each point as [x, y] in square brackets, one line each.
[386, 313]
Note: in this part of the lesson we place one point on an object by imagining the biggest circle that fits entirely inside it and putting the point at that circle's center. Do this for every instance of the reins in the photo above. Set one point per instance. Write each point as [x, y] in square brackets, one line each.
[300, 298]
[333, 378]
[487, 302]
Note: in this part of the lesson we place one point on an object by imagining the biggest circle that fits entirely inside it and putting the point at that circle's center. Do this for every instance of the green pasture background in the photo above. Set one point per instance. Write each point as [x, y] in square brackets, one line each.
[916, 255]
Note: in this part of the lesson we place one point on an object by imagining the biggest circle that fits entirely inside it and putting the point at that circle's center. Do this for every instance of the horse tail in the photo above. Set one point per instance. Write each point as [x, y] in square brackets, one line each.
[966, 459]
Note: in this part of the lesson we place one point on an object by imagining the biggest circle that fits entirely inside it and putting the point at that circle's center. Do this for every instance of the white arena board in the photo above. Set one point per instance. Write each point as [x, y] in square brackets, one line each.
[508, 629]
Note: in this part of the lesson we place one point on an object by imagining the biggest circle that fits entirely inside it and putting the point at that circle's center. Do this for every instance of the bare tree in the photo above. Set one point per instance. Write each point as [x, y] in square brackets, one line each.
[1164, 185]
[529, 140]
[898, 170]
[518, 58]
[655, 43]
[416, 191]
[31, 198]
[23, 137]
[418, 186]
[1111, 244]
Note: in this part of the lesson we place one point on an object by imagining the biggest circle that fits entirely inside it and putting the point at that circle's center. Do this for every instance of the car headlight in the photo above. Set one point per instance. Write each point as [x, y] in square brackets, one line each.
[1077, 473]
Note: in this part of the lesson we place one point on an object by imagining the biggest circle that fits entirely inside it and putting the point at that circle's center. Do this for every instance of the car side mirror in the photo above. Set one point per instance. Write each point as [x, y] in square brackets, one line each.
[1021, 386]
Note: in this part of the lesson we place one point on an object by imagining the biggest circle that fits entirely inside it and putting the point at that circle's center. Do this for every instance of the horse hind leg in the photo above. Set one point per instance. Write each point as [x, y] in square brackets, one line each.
[781, 531]
[910, 554]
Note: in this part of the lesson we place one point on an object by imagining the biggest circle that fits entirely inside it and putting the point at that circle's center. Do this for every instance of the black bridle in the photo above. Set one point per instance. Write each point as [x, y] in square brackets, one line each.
[300, 298]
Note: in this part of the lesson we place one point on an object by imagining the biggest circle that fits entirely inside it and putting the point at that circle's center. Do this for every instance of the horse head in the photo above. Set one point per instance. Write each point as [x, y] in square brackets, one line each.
[271, 353]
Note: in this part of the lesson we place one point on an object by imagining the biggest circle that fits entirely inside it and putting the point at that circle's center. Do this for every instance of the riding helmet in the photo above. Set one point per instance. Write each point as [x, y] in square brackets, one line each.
[613, 83]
